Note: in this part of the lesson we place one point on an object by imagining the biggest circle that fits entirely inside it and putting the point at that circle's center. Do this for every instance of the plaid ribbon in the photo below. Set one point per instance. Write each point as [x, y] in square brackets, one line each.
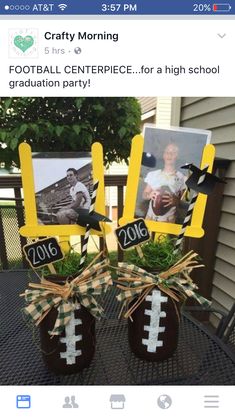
[92, 282]
[175, 282]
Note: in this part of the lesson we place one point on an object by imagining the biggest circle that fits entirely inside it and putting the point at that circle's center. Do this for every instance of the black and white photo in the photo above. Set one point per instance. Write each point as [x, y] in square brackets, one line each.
[63, 183]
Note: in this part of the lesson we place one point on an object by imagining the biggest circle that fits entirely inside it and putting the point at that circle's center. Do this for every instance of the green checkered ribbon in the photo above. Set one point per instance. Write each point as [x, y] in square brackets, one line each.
[92, 282]
[135, 282]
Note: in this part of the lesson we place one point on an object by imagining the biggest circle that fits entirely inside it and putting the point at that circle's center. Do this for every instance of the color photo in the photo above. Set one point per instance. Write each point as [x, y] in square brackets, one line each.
[162, 190]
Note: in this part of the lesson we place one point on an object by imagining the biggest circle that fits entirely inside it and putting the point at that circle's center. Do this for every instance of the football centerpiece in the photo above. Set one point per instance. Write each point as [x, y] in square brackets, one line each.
[155, 281]
[65, 302]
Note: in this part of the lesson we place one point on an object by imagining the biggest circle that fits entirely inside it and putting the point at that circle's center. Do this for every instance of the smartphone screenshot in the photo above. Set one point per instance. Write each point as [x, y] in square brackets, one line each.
[117, 208]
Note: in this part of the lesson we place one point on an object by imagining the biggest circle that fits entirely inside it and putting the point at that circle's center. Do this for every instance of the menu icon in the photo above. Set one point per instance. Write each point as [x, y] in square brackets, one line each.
[211, 401]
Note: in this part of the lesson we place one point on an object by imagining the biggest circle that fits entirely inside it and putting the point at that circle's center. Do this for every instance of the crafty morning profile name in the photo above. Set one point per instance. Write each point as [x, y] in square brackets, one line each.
[81, 36]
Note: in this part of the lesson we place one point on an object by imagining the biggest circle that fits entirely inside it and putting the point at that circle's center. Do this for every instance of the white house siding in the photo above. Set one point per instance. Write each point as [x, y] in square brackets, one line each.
[218, 115]
[147, 104]
[163, 115]
[111, 192]
[156, 110]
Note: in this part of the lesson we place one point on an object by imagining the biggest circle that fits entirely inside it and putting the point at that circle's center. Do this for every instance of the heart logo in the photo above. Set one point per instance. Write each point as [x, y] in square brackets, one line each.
[23, 43]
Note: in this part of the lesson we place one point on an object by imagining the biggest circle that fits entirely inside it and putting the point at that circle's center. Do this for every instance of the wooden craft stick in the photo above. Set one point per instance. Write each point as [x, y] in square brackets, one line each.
[51, 268]
[88, 227]
[139, 251]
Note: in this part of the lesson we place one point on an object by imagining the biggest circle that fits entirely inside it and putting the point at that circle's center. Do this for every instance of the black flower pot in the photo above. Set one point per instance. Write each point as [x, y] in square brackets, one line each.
[154, 328]
[74, 349]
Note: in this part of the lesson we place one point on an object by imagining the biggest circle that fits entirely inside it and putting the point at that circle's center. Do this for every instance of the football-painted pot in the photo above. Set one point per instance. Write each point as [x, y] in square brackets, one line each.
[74, 349]
[154, 326]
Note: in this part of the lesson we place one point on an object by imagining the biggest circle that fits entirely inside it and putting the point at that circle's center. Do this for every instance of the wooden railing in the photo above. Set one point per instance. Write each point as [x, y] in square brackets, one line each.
[17, 241]
[205, 246]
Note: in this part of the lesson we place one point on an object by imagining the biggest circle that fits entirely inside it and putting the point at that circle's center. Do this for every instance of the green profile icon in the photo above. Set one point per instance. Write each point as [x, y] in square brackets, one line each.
[23, 42]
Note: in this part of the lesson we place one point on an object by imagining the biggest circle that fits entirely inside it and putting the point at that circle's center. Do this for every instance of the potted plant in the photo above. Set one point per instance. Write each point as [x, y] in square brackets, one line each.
[154, 282]
[66, 307]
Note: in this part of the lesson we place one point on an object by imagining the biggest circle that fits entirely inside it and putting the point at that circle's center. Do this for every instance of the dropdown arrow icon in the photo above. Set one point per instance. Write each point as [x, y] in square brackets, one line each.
[221, 35]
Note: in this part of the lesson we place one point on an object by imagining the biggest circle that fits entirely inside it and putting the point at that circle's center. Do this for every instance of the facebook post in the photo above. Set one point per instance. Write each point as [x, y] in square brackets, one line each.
[117, 208]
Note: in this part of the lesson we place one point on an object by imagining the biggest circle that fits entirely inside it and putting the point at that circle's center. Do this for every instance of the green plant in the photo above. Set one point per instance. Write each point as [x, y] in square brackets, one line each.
[70, 263]
[69, 124]
[157, 254]
[68, 266]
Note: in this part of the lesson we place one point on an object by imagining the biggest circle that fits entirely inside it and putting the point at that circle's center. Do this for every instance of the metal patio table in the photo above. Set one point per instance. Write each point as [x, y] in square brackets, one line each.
[200, 359]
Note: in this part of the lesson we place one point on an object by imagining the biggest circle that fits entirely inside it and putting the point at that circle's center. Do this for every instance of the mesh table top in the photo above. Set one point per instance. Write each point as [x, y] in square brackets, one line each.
[199, 359]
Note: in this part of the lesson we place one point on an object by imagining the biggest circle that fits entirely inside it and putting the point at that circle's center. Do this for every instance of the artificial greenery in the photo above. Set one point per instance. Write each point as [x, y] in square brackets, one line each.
[158, 254]
[68, 266]
[70, 263]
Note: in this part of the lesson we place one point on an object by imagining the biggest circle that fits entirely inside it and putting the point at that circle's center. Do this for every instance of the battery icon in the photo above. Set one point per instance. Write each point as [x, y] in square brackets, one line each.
[221, 7]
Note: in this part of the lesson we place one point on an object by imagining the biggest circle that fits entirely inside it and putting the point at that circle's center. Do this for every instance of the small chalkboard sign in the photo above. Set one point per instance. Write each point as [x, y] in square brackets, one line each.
[43, 252]
[132, 234]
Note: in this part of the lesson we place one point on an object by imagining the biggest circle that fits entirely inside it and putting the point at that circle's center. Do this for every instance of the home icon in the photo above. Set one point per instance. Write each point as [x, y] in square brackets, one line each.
[117, 401]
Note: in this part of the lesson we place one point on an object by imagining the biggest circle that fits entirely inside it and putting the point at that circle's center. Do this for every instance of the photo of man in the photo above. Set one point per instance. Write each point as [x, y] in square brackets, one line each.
[80, 199]
[64, 187]
[162, 190]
